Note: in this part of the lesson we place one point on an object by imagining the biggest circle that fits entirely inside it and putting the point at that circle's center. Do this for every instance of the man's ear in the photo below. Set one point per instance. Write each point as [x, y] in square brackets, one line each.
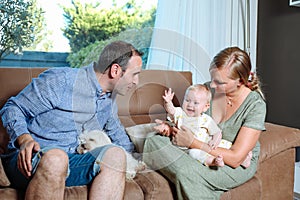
[114, 70]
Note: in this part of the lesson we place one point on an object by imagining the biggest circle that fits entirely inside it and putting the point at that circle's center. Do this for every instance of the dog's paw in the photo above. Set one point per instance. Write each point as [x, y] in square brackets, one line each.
[130, 175]
[131, 172]
[141, 166]
[81, 149]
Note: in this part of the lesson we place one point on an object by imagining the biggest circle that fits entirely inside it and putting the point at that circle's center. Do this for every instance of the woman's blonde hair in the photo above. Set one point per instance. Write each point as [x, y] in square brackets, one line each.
[239, 64]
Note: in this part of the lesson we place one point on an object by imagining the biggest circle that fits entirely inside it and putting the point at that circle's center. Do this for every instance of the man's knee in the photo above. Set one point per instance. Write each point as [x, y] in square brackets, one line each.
[54, 160]
[114, 157]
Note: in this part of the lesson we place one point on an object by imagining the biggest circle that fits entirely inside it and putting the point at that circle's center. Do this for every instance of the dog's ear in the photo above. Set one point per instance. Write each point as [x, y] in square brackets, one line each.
[81, 139]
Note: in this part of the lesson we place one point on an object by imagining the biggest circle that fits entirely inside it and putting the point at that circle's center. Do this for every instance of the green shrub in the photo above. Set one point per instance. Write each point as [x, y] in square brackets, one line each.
[89, 22]
[20, 22]
[139, 38]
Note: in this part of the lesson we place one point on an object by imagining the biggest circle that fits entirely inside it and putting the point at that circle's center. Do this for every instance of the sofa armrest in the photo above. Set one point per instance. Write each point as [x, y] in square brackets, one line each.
[4, 182]
[276, 139]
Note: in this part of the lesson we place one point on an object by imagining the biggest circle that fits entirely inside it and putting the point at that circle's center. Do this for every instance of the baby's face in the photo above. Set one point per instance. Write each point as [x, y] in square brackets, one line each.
[195, 103]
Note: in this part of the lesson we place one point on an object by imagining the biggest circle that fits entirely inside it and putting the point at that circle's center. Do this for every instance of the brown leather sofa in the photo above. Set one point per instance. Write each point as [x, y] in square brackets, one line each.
[273, 180]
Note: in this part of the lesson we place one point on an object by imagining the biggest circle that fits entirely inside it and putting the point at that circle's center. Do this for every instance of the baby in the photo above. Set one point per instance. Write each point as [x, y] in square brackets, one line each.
[97, 138]
[196, 102]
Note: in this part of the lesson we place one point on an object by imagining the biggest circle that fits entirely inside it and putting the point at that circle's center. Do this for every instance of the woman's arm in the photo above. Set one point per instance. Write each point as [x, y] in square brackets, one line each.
[234, 157]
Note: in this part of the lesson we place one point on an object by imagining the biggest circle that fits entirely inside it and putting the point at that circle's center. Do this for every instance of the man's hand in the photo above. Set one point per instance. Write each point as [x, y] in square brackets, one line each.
[168, 97]
[27, 147]
[182, 137]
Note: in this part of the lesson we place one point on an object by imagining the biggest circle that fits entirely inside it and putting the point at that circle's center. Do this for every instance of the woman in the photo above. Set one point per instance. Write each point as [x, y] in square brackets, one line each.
[239, 109]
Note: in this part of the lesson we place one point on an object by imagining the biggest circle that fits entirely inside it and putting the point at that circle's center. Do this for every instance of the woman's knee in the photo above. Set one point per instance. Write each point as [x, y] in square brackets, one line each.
[156, 142]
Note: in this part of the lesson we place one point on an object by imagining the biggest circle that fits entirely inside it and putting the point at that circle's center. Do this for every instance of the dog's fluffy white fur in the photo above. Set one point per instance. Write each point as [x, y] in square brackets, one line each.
[97, 138]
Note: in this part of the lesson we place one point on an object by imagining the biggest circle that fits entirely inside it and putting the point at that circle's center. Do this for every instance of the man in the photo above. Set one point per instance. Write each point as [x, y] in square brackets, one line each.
[45, 119]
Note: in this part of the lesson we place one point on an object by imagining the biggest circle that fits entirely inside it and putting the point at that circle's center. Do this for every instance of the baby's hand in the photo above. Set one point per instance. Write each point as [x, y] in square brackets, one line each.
[162, 128]
[215, 140]
[168, 95]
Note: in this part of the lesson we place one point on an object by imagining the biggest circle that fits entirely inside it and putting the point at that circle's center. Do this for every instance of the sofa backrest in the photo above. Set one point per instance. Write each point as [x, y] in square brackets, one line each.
[12, 81]
[142, 105]
[145, 103]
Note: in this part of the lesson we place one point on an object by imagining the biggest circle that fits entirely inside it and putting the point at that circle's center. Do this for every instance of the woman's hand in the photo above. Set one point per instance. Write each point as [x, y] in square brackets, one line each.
[27, 147]
[182, 137]
[185, 138]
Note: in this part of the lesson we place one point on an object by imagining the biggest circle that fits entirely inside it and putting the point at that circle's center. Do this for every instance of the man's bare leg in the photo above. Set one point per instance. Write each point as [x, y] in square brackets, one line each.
[110, 182]
[49, 180]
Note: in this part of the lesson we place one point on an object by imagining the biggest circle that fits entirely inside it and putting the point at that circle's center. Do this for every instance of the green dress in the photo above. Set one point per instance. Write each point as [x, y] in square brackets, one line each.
[192, 179]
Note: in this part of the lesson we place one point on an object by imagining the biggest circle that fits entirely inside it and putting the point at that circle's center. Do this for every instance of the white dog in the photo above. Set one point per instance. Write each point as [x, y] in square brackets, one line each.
[97, 138]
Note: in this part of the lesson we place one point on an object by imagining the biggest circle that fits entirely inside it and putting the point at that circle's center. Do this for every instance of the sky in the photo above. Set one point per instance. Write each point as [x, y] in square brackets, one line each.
[55, 20]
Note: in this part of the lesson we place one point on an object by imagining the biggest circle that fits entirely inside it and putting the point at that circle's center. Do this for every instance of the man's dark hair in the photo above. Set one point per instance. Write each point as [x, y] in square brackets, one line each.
[117, 52]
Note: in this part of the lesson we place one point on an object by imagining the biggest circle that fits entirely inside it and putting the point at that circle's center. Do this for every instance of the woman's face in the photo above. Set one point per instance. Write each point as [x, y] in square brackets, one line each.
[221, 82]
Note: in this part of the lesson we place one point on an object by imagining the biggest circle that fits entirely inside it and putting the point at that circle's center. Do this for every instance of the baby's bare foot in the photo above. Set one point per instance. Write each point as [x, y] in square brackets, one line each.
[219, 161]
[247, 161]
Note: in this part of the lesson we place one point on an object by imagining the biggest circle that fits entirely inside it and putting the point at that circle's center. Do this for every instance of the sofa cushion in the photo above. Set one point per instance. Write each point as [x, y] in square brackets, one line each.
[76, 192]
[11, 194]
[138, 134]
[154, 185]
[252, 189]
[132, 191]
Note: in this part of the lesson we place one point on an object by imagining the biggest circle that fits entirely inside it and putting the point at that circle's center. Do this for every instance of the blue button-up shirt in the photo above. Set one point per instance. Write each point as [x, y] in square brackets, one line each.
[59, 105]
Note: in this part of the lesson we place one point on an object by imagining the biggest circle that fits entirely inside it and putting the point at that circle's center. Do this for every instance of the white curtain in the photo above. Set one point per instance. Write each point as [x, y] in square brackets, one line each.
[188, 33]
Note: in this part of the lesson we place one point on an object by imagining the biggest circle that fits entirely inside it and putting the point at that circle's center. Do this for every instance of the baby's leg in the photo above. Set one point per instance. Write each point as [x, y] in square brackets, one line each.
[205, 158]
[247, 161]
[198, 154]
[215, 161]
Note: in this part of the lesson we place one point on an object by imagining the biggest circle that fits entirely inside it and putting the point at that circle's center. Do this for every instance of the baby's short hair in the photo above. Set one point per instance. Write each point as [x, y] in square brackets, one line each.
[200, 88]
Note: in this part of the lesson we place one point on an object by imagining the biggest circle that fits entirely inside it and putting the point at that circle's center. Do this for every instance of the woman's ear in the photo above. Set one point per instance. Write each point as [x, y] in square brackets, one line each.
[240, 82]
